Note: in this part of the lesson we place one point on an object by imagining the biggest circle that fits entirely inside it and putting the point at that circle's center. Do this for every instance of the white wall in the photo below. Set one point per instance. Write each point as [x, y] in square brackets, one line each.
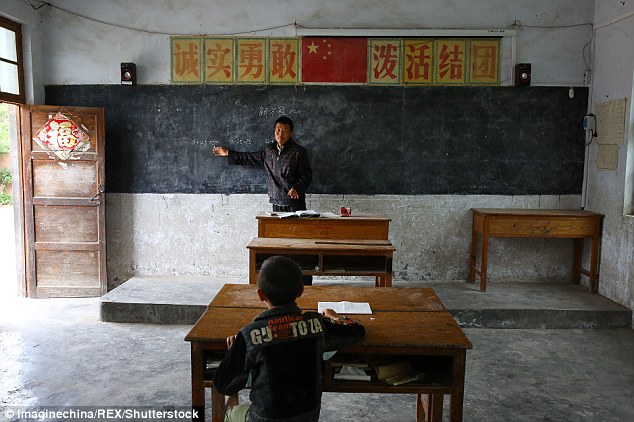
[610, 191]
[206, 235]
[91, 52]
[554, 38]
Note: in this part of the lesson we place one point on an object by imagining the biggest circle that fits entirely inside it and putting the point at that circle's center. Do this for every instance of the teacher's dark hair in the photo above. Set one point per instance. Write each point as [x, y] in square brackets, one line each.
[285, 121]
[280, 279]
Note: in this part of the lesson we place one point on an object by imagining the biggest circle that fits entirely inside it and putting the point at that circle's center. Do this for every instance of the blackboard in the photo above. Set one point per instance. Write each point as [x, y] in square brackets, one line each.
[360, 139]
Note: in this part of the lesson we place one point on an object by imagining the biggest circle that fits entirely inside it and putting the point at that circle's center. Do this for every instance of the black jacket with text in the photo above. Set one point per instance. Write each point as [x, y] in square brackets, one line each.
[279, 356]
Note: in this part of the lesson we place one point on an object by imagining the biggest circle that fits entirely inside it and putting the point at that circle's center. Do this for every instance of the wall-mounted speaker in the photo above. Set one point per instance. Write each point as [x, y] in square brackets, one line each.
[523, 74]
[128, 74]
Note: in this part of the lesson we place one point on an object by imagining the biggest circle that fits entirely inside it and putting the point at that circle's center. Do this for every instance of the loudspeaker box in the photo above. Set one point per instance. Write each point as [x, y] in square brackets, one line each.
[128, 74]
[522, 74]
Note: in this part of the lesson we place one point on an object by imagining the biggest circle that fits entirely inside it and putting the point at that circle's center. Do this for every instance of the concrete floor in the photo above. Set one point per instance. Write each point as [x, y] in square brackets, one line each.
[57, 352]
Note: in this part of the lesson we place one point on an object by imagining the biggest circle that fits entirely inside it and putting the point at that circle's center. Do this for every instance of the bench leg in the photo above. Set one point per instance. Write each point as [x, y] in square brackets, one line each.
[429, 407]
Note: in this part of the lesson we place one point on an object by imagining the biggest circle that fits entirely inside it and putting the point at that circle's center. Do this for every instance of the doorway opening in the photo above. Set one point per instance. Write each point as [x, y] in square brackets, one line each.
[9, 286]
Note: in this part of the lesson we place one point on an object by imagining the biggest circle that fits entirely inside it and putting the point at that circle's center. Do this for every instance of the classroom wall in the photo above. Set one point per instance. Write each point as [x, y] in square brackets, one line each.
[611, 192]
[92, 52]
[430, 232]
[206, 235]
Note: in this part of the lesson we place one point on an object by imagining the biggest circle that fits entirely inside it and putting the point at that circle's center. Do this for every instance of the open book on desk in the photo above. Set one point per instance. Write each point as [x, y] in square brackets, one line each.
[345, 307]
[294, 214]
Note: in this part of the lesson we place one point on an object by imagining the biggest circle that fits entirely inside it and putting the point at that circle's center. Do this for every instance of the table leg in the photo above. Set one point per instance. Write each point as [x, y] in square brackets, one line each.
[429, 407]
[253, 278]
[485, 256]
[220, 404]
[457, 393]
[576, 261]
[594, 265]
[474, 254]
[422, 407]
[435, 408]
[217, 406]
[198, 388]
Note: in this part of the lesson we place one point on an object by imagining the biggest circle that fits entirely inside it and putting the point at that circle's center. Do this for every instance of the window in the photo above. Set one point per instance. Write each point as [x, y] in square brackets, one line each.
[11, 65]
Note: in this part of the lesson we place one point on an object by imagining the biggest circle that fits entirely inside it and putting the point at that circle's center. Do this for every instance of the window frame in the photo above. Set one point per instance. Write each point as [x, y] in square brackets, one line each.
[17, 29]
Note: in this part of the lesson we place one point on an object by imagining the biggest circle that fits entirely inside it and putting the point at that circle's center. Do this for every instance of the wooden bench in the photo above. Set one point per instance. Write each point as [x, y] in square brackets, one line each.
[341, 257]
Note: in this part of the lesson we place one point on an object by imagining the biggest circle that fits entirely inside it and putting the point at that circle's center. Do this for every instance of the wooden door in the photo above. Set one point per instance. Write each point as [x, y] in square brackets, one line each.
[64, 208]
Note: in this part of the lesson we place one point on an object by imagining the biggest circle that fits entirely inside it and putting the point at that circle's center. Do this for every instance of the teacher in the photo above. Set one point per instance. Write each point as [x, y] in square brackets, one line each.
[288, 172]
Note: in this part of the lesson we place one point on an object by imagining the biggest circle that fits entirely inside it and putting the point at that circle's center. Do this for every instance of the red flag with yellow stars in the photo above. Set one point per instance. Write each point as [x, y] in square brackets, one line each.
[335, 59]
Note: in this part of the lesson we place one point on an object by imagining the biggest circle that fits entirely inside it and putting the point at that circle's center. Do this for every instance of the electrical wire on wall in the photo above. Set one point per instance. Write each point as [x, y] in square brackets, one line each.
[520, 26]
[41, 4]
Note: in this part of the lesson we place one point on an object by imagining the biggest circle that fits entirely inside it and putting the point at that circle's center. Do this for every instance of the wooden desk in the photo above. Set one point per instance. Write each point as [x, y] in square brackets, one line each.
[345, 257]
[380, 298]
[361, 226]
[573, 224]
[430, 340]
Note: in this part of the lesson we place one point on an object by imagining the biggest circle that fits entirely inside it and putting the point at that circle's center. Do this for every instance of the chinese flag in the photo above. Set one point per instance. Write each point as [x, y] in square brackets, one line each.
[334, 59]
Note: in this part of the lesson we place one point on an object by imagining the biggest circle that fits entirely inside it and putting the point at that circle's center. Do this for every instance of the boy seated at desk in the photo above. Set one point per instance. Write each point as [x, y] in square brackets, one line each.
[279, 356]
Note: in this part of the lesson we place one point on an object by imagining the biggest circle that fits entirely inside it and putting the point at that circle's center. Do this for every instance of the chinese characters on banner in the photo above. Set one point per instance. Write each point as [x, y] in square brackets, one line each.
[385, 59]
[338, 60]
[186, 64]
[218, 63]
[283, 60]
[485, 62]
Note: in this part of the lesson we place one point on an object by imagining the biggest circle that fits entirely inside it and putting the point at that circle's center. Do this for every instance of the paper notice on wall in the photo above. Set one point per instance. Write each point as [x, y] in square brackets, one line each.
[610, 122]
[608, 157]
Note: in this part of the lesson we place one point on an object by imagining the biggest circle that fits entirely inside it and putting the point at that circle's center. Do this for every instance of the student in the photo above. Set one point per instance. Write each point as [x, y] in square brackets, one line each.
[288, 172]
[279, 355]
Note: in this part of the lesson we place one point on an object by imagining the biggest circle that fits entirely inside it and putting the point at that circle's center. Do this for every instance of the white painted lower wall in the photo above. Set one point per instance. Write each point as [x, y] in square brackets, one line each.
[206, 235]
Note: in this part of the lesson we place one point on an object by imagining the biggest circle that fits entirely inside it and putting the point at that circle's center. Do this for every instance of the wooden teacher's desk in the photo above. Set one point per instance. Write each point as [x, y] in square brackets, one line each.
[327, 245]
[339, 257]
[573, 224]
[407, 324]
[361, 226]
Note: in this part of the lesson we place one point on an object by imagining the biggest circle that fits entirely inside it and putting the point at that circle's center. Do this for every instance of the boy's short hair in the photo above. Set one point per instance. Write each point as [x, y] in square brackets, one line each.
[280, 279]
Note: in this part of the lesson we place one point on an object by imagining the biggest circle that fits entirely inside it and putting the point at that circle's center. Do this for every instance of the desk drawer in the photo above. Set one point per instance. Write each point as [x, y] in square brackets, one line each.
[572, 227]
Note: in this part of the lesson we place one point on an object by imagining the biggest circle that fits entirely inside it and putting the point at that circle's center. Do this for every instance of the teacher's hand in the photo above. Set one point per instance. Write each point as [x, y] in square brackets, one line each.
[220, 151]
[293, 193]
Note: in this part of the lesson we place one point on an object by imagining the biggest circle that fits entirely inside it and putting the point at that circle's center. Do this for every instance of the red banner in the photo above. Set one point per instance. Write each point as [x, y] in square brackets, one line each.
[338, 59]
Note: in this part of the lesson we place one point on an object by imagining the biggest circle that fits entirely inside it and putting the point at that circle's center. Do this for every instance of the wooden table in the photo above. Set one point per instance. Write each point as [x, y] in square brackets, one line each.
[573, 224]
[380, 298]
[358, 226]
[339, 257]
[423, 333]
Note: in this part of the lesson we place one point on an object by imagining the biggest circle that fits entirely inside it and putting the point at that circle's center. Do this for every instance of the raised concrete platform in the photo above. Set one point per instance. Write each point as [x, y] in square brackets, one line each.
[181, 300]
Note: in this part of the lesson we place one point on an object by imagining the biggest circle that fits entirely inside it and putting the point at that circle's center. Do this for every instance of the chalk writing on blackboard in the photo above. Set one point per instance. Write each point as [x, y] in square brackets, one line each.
[238, 142]
[215, 141]
[202, 142]
[276, 111]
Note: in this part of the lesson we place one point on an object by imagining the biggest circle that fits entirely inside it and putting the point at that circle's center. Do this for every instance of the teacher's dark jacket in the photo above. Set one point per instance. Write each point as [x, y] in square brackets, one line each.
[286, 169]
